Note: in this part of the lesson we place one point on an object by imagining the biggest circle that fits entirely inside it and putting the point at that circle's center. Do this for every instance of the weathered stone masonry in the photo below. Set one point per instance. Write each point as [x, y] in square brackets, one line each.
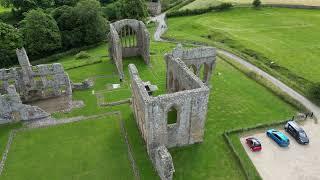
[154, 7]
[29, 83]
[188, 95]
[128, 38]
[196, 59]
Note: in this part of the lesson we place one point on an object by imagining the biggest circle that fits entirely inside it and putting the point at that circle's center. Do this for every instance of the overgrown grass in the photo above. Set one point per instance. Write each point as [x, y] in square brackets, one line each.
[278, 40]
[236, 101]
[198, 4]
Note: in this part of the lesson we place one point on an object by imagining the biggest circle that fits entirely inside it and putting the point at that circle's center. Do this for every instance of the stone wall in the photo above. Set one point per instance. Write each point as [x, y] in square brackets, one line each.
[196, 59]
[35, 82]
[128, 38]
[188, 95]
[154, 8]
[12, 108]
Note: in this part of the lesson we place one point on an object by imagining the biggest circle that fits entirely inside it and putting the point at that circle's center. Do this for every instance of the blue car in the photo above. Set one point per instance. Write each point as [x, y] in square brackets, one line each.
[281, 139]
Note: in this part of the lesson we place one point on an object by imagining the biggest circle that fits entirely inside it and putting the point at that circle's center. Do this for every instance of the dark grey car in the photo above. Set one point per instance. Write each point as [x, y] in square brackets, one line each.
[296, 132]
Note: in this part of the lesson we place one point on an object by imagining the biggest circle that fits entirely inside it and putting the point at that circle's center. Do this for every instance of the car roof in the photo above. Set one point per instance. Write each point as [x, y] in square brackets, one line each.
[280, 134]
[295, 125]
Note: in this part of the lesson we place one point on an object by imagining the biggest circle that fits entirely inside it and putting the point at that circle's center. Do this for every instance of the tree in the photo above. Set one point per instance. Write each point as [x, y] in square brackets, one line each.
[134, 9]
[82, 24]
[21, 6]
[40, 32]
[256, 3]
[10, 39]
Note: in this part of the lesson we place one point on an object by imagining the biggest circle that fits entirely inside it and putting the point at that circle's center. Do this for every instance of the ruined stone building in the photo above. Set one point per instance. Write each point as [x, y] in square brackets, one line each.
[173, 119]
[29, 83]
[128, 38]
[154, 7]
[199, 60]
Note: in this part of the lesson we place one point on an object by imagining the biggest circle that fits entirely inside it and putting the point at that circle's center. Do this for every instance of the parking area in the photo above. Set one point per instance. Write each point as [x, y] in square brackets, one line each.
[297, 162]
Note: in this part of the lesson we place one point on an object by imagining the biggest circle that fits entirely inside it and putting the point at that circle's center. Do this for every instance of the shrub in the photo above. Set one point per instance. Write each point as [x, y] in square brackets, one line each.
[40, 32]
[10, 39]
[315, 92]
[256, 3]
[81, 25]
[82, 55]
[188, 12]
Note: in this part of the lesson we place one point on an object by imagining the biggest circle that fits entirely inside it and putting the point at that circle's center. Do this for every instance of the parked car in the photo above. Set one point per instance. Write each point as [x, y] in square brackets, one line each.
[296, 132]
[254, 144]
[281, 139]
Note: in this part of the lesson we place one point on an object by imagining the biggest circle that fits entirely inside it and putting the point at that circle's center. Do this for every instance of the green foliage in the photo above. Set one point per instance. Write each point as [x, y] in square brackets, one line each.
[10, 39]
[256, 3]
[82, 55]
[81, 25]
[65, 2]
[188, 12]
[21, 6]
[41, 33]
[112, 11]
[133, 9]
[315, 92]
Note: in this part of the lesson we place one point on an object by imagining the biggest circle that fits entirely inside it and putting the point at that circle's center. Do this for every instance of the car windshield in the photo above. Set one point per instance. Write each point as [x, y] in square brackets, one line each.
[302, 134]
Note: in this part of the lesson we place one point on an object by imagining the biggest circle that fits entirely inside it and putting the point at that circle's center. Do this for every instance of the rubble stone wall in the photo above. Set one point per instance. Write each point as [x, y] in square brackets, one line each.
[188, 95]
[128, 38]
[154, 8]
[12, 108]
[196, 59]
[35, 82]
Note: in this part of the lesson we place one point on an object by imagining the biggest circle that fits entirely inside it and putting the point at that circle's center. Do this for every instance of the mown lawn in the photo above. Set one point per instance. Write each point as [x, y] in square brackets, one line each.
[83, 150]
[236, 101]
[198, 4]
[282, 40]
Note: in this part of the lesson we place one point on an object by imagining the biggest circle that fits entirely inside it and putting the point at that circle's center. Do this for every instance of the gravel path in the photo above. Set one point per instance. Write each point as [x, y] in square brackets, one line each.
[162, 28]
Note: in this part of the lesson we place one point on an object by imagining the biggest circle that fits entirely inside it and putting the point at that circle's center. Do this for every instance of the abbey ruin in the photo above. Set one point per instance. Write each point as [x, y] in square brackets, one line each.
[187, 96]
[22, 85]
[128, 38]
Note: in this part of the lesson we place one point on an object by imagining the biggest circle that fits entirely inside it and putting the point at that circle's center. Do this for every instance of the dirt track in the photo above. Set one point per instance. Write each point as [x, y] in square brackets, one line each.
[297, 162]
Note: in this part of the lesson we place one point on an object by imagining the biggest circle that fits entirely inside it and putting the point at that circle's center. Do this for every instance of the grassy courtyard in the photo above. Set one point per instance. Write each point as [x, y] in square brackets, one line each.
[280, 40]
[198, 4]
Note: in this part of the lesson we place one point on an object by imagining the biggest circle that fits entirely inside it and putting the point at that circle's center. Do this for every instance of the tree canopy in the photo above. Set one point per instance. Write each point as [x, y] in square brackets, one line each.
[41, 33]
[10, 39]
[82, 24]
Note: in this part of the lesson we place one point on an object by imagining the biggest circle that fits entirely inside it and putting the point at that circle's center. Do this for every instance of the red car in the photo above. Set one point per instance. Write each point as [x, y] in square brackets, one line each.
[254, 144]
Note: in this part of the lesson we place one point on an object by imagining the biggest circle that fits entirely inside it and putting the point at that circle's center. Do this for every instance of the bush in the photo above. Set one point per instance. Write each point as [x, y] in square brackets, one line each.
[188, 12]
[40, 32]
[81, 25]
[10, 39]
[256, 3]
[82, 55]
[315, 92]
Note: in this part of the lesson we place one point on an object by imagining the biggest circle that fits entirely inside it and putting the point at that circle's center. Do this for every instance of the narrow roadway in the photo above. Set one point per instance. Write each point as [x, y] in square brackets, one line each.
[162, 28]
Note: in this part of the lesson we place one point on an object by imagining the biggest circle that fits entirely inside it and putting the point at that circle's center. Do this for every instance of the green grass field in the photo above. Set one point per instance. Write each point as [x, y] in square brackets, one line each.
[198, 4]
[283, 40]
[236, 101]
[82, 150]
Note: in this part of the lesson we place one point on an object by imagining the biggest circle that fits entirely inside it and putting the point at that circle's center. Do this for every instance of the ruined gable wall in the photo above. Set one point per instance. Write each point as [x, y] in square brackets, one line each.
[197, 57]
[117, 51]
